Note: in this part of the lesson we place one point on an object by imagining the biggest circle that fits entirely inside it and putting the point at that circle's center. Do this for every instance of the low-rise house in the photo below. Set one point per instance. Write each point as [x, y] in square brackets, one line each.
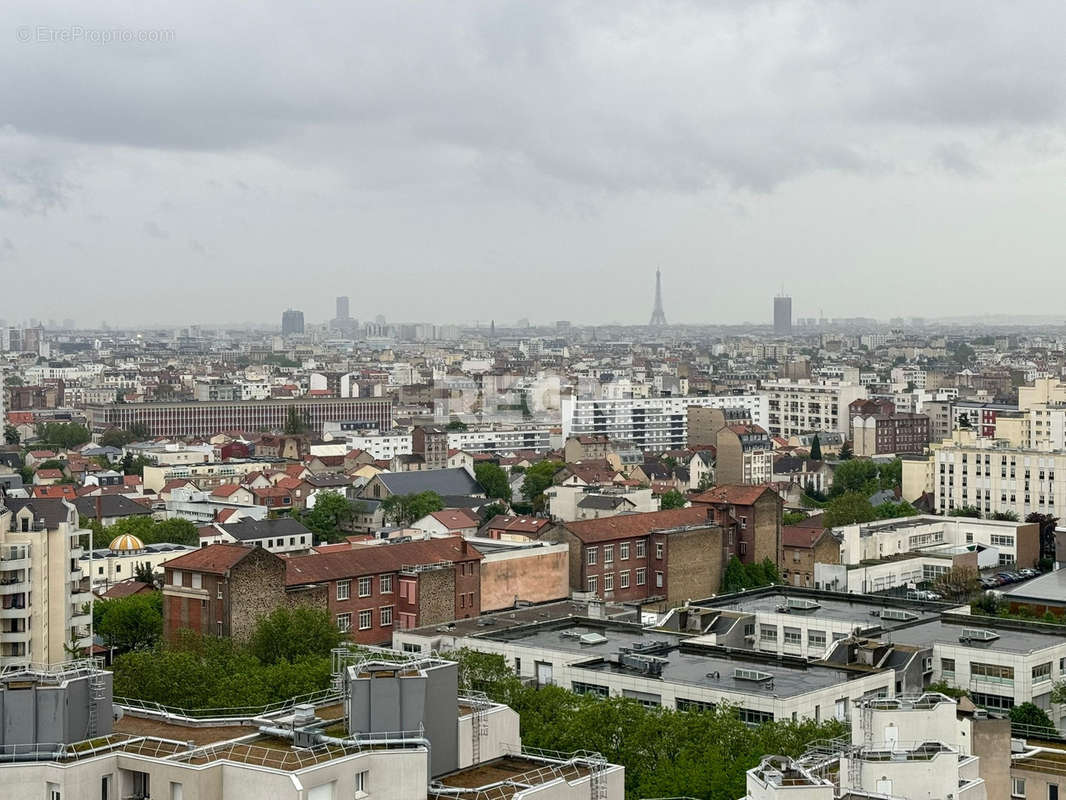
[281, 535]
[510, 527]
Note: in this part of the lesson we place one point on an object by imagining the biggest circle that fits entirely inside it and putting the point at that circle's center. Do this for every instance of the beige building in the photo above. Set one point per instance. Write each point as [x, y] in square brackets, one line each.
[745, 455]
[205, 475]
[42, 617]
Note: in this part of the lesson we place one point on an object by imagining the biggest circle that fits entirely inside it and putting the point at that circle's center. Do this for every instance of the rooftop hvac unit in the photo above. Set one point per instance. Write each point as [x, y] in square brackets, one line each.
[977, 635]
[741, 674]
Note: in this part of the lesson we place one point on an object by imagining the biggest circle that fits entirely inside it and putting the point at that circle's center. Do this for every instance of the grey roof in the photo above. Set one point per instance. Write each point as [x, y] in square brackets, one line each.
[454, 481]
[111, 505]
[1050, 587]
[883, 496]
[463, 501]
[251, 529]
[1010, 640]
[328, 479]
[856, 610]
[52, 510]
[11, 459]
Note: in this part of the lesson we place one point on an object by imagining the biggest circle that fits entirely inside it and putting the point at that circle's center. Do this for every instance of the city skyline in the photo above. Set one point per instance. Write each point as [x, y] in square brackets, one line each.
[817, 158]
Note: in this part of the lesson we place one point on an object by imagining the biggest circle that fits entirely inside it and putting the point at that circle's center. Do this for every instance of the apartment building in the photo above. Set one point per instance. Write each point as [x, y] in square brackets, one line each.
[206, 475]
[751, 516]
[705, 422]
[42, 605]
[878, 429]
[744, 455]
[662, 557]
[207, 418]
[567, 503]
[803, 406]
[501, 438]
[651, 423]
[397, 727]
[918, 747]
[382, 446]
[992, 475]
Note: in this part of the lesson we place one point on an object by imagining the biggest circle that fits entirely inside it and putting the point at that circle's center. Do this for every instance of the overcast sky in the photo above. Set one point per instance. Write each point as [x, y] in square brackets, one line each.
[464, 161]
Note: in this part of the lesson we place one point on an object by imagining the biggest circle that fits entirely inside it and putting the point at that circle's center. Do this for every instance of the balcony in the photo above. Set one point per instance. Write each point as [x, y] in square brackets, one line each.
[14, 612]
[15, 637]
[14, 586]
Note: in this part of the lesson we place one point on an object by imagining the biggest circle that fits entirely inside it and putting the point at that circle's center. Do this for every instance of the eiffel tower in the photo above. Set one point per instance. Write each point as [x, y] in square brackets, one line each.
[658, 318]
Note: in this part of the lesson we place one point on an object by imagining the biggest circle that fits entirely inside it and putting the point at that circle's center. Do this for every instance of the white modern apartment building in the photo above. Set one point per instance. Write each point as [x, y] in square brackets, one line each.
[502, 438]
[382, 446]
[41, 600]
[651, 423]
[802, 406]
[909, 748]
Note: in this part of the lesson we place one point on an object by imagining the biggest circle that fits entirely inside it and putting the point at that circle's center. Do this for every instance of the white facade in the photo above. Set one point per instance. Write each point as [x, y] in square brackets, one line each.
[653, 423]
[500, 439]
[801, 406]
[382, 446]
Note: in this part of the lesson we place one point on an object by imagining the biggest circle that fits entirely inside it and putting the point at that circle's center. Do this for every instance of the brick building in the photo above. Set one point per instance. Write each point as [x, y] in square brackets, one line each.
[663, 557]
[372, 590]
[878, 429]
[752, 514]
[224, 589]
[802, 546]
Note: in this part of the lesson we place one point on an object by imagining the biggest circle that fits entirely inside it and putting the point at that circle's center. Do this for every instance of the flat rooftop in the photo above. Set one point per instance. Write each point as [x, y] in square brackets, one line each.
[525, 615]
[1010, 640]
[564, 636]
[852, 609]
[1049, 587]
[695, 667]
[514, 772]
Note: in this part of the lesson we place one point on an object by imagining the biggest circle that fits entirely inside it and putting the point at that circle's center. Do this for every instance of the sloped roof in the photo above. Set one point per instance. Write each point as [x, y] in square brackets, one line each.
[215, 558]
[629, 525]
[516, 524]
[734, 494]
[254, 529]
[453, 481]
[375, 559]
[111, 505]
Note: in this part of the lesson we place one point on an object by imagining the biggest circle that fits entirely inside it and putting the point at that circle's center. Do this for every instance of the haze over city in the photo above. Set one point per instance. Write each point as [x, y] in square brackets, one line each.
[878, 160]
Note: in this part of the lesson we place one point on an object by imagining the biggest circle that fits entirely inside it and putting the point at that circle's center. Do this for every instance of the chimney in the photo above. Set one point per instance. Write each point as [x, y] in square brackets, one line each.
[463, 547]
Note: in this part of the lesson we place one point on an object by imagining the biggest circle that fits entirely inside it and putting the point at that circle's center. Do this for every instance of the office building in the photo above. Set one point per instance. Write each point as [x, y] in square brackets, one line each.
[650, 423]
[782, 315]
[342, 308]
[209, 418]
[292, 322]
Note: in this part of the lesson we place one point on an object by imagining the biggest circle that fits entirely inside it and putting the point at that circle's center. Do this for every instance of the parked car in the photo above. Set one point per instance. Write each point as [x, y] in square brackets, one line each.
[988, 583]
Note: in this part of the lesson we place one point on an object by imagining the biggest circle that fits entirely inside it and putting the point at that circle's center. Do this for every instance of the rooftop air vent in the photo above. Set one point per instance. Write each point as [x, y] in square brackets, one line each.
[977, 635]
[751, 675]
[801, 604]
[898, 614]
[592, 638]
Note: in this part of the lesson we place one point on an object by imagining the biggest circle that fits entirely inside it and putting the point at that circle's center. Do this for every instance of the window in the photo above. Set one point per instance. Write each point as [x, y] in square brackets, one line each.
[176, 792]
[594, 689]
[768, 633]
[386, 616]
[590, 556]
[658, 580]
[105, 787]
[641, 576]
[641, 546]
[816, 638]
[361, 779]
[991, 673]
[994, 701]
[693, 705]
[53, 792]
[364, 586]
[749, 717]
[385, 584]
[947, 667]
[344, 622]
[218, 590]
[623, 551]
[344, 589]
[623, 579]
[1042, 672]
[1001, 541]
[1017, 787]
[365, 619]
[608, 582]
[591, 583]
[659, 550]
[793, 637]
[218, 628]
[608, 554]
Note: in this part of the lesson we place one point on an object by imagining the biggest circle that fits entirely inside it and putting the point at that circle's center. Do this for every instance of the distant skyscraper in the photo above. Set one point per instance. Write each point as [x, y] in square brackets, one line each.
[658, 317]
[782, 315]
[292, 321]
[342, 308]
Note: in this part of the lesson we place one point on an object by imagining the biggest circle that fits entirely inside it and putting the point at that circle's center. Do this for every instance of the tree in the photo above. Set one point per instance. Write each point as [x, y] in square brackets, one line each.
[493, 480]
[1047, 523]
[293, 633]
[403, 509]
[848, 509]
[890, 510]
[945, 688]
[456, 425]
[816, 448]
[793, 517]
[144, 573]
[138, 432]
[538, 478]
[1031, 715]
[294, 423]
[958, 581]
[491, 510]
[857, 475]
[966, 511]
[130, 623]
[735, 577]
[964, 422]
[11, 435]
[846, 453]
[329, 515]
[672, 499]
[64, 435]
[115, 437]
[1004, 516]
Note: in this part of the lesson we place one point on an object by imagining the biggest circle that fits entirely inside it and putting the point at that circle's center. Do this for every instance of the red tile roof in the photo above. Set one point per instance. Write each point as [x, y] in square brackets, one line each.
[800, 535]
[375, 559]
[455, 518]
[50, 473]
[127, 588]
[624, 526]
[736, 495]
[225, 490]
[513, 524]
[64, 490]
[215, 558]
